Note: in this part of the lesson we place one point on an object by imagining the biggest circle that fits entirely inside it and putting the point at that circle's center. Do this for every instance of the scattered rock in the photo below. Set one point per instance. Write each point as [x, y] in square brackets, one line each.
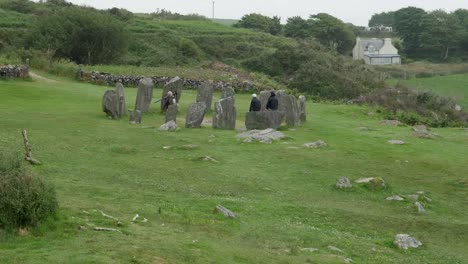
[421, 131]
[420, 192]
[396, 142]
[169, 126]
[413, 197]
[420, 207]
[309, 249]
[427, 199]
[390, 122]
[404, 241]
[335, 249]
[376, 183]
[208, 158]
[395, 198]
[458, 108]
[316, 144]
[263, 136]
[344, 183]
[348, 260]
[167, 147]
[364, 180]
[226, 212]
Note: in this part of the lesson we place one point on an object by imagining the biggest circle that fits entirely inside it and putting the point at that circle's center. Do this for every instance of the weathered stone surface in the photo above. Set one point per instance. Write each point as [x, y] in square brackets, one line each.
[421, 131]
[316, 144]
[396, 142]
[420, 207]
[335, 248]
[205, 94]
[404, 241]
[227, 92]
[144, 95]
[175, 85]
[289, 105]
[395, 198]
[264, 119]
[302, 109]
[344, 183]
[9, 71]
[171, 113]
[169, 126]
[364, 180]
[110, 104]
[135, 117]
[119, 89]
[226, 212]
[263, 136]
[390, 122]
[225, 114]
[195, 115]
[263, 97]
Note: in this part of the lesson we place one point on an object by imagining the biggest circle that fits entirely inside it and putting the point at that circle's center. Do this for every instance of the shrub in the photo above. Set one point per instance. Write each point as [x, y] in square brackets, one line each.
[25, 199]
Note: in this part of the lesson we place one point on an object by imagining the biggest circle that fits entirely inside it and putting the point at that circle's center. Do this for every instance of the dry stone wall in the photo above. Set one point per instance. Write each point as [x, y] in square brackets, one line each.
[10, 71]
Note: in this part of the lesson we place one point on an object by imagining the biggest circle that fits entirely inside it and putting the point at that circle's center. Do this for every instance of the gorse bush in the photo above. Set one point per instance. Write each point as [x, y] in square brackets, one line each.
[412, 107]
[25, 199]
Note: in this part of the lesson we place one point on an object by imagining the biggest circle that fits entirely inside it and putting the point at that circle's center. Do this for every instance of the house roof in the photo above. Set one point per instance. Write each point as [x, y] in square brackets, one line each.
[377, 43]
[382, 55]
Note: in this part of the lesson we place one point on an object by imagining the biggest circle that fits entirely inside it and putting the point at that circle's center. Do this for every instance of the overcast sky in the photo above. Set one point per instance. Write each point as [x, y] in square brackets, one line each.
[357, 12]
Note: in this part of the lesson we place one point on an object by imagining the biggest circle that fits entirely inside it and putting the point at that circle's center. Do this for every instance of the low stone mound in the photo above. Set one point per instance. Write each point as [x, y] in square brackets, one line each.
[264, 136]
[404, 241]
[169, 126]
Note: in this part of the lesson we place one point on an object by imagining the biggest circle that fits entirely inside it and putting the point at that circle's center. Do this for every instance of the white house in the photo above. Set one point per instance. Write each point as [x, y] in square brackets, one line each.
[376, 51]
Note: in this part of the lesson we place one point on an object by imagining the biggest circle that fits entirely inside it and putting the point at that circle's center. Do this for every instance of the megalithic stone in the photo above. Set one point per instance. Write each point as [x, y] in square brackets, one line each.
[175, 85]
[225, 114]
[119, 89]
[110, 104]
[227, 92]
[135, 117]
[205, 94]
[171, 113]
[264, 95]
[263, 119]
[195, 115]
[302, 109]
[144, 95]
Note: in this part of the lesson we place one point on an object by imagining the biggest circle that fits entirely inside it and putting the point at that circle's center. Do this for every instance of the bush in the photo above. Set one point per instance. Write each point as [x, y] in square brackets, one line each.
[25, 199]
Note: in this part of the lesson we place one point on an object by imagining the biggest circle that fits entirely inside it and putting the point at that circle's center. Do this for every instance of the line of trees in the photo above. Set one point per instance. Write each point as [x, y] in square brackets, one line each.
[437, 35]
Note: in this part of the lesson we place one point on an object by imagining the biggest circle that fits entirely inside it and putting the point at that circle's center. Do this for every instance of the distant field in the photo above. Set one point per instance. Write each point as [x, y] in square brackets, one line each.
[282, 193]
[455, 86]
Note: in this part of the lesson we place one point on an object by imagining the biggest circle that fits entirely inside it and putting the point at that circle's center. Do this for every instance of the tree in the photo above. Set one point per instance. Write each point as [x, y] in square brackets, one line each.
[409, 23]
[297, 27]
[83, 35]
[260, 23]
[332, 32]
[386, 19]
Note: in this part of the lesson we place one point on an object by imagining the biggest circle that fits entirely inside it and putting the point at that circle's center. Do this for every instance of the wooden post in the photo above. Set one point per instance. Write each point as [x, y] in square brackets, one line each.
[28, 149]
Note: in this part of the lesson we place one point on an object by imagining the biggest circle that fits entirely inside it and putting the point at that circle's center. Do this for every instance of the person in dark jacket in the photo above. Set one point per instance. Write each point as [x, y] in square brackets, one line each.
[255, 104]
[168, 100]
[272, 102]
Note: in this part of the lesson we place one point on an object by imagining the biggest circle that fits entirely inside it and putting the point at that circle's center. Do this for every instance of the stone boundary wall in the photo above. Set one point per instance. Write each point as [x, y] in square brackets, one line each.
[103, 78]
[9, 71]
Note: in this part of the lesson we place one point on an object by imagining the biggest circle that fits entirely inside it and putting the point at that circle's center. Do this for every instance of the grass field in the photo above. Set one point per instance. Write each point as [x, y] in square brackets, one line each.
[455, 86]
[284, 197]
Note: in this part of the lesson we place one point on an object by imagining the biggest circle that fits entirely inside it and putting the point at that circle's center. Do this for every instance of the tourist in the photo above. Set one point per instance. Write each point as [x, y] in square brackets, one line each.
[255, 104]
[272, 102]
[168, 100]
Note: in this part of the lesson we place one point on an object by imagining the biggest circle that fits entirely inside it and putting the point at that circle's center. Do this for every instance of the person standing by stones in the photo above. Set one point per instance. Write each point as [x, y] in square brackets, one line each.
[272, 102]
[255, 104]
[168, 100]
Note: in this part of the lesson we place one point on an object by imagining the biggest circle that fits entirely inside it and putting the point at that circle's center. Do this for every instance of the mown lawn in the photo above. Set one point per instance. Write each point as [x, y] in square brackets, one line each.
[284, 197]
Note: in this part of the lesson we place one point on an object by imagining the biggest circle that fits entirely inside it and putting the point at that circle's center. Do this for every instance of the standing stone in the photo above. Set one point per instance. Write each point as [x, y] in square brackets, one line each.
[144, 95]
[205, 94]
[110, 104]
[302, 109]
[264, 95]
[227, 92]
[195, 115]
[263, 120]
[171, 113]
[135, 117]
[289, 105]
[175, 85]
[225, 114]
[119, 89]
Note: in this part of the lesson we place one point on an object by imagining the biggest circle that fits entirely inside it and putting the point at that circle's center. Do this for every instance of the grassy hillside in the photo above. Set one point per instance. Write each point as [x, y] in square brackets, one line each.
[226, 22]
[283, 194]
[455, 86]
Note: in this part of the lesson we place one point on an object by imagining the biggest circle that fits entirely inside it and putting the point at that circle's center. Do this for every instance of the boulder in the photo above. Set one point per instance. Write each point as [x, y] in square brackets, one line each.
[135, 117]
[195, 115]
[395, 198]
[225, 114]
[175, 85]
[205, 94]
[344, 183]
[263, 119]
[404, 241]
[421, 131]
[396, 142]
[316, 144]
[169, 126]
[144, 95]
[420, 207]
[171, 113]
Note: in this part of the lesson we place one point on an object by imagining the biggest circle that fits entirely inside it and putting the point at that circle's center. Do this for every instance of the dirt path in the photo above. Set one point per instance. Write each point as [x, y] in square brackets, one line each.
[35, 76]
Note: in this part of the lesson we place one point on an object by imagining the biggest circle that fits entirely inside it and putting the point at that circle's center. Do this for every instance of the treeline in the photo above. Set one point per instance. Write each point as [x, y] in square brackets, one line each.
[438, 35]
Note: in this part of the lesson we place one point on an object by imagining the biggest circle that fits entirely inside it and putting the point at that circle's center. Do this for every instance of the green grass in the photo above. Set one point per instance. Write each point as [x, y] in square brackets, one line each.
[284, 198]
[455, 86]
[226, 22]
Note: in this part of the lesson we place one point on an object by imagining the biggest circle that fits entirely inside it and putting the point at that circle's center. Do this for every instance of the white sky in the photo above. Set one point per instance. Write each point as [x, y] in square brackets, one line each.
[357, 12]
